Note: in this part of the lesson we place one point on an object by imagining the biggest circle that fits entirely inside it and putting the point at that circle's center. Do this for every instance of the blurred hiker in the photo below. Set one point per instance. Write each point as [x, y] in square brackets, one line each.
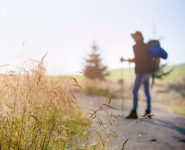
[143, 71]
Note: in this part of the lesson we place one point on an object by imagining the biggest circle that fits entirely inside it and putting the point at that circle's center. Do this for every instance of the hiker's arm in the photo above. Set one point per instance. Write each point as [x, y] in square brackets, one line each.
[131, 60]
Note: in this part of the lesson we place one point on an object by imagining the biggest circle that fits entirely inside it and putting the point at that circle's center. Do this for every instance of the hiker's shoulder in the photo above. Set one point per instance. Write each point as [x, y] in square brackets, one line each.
[139, 45]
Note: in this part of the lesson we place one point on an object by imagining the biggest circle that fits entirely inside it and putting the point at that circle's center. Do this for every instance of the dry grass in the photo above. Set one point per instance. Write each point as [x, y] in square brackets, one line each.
[37, 112]
[98, 88]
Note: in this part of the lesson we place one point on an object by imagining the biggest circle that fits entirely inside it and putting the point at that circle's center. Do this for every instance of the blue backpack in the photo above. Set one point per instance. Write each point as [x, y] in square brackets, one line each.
[155, 50]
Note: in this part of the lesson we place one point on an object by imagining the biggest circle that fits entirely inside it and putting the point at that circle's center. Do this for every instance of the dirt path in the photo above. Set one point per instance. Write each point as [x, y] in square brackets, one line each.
[165, 131]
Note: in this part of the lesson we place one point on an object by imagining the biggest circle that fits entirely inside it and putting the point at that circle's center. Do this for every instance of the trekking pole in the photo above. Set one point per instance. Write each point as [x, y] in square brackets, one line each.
[130, 73]
[122, 82]
[122, 86]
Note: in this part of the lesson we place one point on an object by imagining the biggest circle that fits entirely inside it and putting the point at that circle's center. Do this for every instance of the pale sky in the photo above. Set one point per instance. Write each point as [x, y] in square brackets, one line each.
[66, 29]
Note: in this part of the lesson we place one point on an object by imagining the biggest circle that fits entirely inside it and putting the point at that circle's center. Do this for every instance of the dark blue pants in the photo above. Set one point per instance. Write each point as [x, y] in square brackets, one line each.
[141, 78]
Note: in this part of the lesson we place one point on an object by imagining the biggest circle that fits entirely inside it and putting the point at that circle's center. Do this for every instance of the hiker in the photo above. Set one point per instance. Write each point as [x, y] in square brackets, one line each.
[143, 73]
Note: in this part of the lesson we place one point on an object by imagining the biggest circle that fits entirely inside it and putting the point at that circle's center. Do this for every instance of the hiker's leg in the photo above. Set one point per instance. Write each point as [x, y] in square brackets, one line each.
[137, 84]
[147, 91]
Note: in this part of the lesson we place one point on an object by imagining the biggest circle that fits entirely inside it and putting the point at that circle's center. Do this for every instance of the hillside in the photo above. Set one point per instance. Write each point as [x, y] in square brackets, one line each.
[128, 73]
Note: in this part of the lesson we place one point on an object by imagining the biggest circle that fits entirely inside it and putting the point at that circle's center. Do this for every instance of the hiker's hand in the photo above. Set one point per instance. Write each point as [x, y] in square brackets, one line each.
[131, 60]
[122, 59]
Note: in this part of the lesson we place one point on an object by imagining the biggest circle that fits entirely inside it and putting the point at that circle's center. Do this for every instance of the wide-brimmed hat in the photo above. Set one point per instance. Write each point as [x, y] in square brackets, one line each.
[137, 35]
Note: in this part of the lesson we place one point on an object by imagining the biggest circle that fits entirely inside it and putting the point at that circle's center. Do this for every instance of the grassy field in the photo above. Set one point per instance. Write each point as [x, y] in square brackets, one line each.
[128, 74]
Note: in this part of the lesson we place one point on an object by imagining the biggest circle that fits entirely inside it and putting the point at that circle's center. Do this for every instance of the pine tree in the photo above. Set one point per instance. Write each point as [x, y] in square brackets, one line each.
[161, 72]
[93, 68]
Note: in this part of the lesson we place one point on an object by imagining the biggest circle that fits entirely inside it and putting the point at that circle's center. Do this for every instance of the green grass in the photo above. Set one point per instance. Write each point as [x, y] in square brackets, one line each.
[115, 75]
[177, 73]
[128, 74]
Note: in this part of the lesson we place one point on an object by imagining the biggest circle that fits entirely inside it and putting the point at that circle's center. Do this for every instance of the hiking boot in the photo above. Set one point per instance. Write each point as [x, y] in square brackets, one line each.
[132, 115]
[147, 114]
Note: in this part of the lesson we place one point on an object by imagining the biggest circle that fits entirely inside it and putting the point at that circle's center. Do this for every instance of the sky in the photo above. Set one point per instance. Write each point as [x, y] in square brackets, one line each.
[67, 29]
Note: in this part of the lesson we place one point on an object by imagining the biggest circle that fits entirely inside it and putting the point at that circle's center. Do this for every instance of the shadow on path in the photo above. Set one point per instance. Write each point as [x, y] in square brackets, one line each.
[166, 124]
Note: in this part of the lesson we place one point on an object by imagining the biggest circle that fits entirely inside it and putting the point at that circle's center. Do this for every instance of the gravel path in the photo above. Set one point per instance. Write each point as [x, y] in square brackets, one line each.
[165, 131]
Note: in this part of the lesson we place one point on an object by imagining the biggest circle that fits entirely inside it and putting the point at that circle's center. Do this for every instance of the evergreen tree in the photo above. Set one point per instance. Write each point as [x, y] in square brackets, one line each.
[161, 72]
[93, 68]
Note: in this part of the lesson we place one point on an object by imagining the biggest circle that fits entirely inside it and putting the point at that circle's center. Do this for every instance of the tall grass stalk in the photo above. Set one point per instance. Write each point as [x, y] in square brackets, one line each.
[37, 112]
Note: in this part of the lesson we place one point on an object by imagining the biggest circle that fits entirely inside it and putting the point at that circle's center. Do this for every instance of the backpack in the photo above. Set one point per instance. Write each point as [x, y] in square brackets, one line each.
[155, 52]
